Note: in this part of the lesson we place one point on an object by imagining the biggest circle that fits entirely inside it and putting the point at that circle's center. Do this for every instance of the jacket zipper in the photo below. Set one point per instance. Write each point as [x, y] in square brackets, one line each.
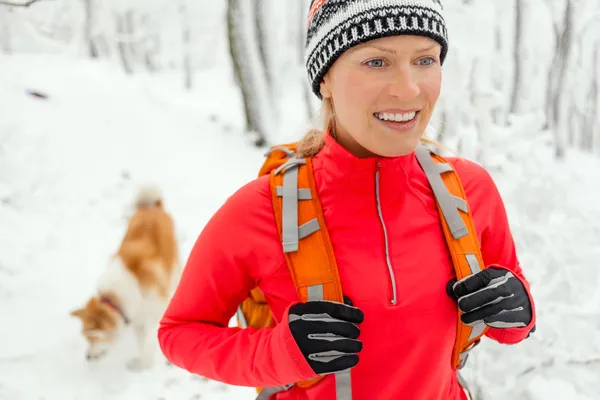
[388, 261]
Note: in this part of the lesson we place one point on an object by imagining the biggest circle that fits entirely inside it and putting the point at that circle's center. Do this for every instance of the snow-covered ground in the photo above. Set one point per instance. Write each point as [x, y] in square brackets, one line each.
[69, 166]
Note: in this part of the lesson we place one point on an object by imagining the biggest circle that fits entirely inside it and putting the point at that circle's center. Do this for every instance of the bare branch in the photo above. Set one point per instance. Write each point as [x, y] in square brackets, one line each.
[11, 4]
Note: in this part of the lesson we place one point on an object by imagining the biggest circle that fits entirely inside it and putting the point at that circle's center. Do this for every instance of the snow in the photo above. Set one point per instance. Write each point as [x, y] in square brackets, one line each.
[69, 167]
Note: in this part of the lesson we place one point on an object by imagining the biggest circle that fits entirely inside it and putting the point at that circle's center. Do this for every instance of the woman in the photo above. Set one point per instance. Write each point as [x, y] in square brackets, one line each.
[376, 64]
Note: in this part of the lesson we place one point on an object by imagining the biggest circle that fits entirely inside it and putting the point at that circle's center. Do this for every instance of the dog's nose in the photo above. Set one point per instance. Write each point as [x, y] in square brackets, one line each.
[88, 357]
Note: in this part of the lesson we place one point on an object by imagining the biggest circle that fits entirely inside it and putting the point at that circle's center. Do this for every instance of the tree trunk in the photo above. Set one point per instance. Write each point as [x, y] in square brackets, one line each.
[24, 4]
[306, 89]
[248, 69]
[558, 78]
[591, 114]
[517, 93]
[5, 31]
[552, 73]
[500, 114]
[124, 54]
[186, 37]
[151, 44]
[133, 43]
[261, 15]
[88, 28]
[232, 17]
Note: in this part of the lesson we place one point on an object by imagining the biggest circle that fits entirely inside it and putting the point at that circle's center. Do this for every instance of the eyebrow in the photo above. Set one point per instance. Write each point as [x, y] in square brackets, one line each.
[392, 51]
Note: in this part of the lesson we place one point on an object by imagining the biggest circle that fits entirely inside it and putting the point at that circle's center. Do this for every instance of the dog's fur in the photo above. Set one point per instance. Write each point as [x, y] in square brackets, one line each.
[137, 283]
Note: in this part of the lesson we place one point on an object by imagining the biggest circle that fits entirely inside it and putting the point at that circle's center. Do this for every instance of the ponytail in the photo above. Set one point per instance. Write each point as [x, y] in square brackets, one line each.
[314, 140]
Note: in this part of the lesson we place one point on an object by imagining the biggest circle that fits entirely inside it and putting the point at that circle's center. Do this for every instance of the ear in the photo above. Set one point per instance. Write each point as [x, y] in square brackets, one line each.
[325, 88]
[79, 313]
[93, 305]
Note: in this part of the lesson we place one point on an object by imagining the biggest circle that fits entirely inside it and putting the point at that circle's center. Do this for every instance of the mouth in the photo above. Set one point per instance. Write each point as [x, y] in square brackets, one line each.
[398, 121]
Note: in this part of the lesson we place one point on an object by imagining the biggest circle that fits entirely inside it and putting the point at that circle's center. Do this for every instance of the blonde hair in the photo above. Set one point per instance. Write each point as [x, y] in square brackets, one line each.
[314, 140]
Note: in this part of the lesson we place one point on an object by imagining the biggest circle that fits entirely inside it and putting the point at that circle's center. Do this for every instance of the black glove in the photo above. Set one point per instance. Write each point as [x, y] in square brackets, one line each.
[494, 296]
[326, 334]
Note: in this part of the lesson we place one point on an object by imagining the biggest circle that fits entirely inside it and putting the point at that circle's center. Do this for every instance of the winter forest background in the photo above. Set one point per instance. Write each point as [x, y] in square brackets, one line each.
[98, 96]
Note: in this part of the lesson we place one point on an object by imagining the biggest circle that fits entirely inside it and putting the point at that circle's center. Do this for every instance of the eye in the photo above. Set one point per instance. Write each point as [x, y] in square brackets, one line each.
[375, 63]
[427, 61]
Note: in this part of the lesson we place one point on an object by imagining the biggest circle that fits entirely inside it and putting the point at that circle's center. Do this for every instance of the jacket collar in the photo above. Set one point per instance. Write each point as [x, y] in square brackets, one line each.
[339, 163]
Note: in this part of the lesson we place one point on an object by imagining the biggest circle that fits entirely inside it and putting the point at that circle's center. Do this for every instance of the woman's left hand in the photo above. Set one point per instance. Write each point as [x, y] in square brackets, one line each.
[494, 296]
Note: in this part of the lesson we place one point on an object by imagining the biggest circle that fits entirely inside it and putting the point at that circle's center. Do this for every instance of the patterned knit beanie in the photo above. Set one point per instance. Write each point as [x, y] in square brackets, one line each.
[334, 26]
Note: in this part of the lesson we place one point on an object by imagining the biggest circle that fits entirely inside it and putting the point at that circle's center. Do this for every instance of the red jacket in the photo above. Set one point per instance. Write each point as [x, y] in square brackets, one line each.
[407, 345]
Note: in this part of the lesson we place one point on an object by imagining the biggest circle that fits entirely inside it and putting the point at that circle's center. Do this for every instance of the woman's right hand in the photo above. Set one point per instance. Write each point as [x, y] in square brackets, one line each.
[327, 334]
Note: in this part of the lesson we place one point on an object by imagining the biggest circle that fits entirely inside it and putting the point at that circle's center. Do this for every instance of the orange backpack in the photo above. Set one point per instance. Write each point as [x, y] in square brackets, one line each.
[308, 249]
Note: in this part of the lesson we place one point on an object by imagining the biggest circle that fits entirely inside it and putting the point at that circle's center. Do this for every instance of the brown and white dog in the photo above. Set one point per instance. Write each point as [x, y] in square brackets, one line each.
[136, 285]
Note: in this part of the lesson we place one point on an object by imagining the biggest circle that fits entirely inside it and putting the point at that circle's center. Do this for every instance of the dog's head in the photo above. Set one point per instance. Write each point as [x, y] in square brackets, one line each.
[100, 327]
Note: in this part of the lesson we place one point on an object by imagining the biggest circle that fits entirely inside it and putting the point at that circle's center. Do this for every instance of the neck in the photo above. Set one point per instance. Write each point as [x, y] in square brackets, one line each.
[348, 142]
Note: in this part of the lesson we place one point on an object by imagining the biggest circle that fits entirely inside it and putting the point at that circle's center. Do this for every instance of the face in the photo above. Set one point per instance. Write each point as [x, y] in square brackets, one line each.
[383, 94]
[99, 327]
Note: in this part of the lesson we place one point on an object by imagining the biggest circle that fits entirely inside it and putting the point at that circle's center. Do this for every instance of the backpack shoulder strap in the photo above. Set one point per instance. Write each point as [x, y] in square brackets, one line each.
[305, 238]
[461, 237]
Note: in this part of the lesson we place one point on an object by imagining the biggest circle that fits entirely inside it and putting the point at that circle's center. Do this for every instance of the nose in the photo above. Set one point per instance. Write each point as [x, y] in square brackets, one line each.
[404, 85]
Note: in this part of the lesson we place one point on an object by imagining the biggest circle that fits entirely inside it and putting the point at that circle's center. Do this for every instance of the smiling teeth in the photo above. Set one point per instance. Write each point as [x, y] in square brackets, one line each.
[396, 117]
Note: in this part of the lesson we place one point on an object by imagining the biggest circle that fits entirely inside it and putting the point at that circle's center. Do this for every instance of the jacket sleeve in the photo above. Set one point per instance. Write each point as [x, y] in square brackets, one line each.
[498, 248]
[238, 241]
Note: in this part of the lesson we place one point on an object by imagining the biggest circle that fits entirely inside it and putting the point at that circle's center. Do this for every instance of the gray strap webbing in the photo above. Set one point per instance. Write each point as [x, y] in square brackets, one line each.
[308, 228]
[473, 263]
[461, 204]
[477, 330]
[280, 148]
[290, 164]
[289, 221]
[343, 382]
[475, 268]
[268, 392]
[450, 206]
[343, 385]
[291, 232]
[448, 202]
[303, 194]
[464, 355]
[465, 386]
[315, 293]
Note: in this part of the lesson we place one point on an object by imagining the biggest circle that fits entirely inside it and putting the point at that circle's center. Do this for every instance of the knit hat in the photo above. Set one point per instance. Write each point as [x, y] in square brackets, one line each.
[334, 26]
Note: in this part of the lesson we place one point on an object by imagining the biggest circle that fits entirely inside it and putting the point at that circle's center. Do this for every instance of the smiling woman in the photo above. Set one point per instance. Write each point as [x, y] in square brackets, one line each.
[358, 246]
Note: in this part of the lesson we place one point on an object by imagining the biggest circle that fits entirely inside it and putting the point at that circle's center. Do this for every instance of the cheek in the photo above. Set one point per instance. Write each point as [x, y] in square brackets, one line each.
[353, 96]
[431, 87]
